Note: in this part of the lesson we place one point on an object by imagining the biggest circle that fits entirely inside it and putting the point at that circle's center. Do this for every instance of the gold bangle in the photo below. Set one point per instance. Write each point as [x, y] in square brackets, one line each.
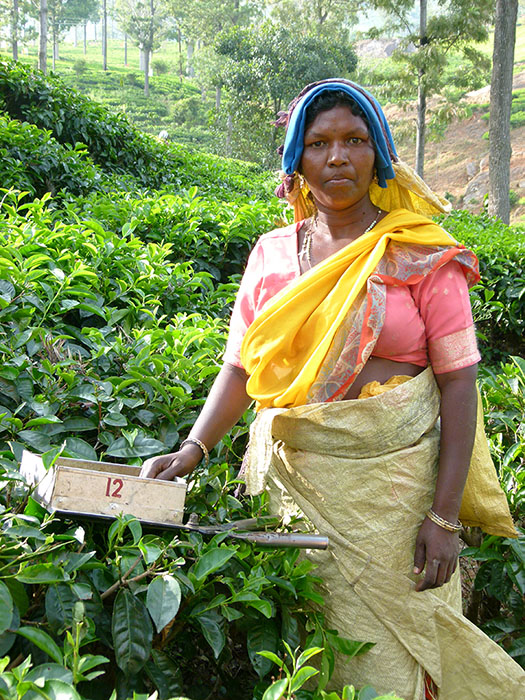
[200, 444]
[445, 524]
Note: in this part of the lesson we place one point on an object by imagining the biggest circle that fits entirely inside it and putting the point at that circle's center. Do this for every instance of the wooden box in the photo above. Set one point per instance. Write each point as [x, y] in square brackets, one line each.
[103, 489]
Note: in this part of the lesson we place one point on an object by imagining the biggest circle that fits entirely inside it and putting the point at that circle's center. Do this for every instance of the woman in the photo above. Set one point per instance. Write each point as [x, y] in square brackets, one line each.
[361, 295]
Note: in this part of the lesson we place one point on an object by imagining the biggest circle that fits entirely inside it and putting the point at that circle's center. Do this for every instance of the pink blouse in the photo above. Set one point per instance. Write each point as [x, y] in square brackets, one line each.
[430, 321]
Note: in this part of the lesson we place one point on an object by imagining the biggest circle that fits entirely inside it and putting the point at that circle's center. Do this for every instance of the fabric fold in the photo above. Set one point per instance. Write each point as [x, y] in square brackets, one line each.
[285, 347]
[363, 473]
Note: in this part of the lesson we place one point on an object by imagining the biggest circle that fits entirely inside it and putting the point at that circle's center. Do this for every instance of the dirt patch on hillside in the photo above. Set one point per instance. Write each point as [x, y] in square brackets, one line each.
[458, 163]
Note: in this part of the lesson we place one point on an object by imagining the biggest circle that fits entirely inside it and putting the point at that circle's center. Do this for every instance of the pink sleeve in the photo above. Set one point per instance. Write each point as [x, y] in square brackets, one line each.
[444, 304]
[245, 305]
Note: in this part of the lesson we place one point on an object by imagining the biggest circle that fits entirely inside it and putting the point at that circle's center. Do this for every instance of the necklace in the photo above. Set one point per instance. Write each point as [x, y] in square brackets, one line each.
[305, 254]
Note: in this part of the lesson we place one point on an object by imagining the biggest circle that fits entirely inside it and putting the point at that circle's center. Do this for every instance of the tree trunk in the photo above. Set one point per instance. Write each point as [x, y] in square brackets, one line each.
[85, 37]
[126, 50]
[146, 73]
[75, 39]
[42, 51]
[55, 46]
[14, 30]
[218, 98]
[179, 41]
[500, 103]
[104, 35]
[421, 93]
[229, 133]
[95, 27]
[190, 48]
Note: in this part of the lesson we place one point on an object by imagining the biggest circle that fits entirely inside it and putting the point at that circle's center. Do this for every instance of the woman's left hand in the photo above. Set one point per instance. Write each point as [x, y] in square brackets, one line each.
[437, 553]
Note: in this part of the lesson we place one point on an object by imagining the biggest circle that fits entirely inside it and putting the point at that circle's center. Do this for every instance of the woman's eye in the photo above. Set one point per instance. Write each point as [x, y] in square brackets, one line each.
[316, 144]
[355, 140]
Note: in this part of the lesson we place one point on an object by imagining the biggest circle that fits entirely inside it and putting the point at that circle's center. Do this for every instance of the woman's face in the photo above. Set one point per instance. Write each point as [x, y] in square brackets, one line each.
[338, 159]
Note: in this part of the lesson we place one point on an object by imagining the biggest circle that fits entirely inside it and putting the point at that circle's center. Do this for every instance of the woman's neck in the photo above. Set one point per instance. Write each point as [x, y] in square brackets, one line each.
[348, 224]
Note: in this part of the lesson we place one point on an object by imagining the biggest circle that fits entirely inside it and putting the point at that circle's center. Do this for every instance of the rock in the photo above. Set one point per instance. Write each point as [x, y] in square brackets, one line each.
[472, 169]
[483, 163]
[476, 190]
[379, 48]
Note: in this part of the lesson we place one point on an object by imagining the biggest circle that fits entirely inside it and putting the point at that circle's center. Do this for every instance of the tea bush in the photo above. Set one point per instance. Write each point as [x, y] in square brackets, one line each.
[115, 145]
[31, 159]
[216, 236]
[497, 603]
[499, 301]
[113, 308]
[107, 349]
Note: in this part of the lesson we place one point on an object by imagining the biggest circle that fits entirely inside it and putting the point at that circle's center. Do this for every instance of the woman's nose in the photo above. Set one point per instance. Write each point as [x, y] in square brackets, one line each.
[337, 155]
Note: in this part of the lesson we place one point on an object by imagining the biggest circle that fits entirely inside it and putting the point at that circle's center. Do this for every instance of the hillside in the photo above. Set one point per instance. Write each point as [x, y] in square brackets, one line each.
[119, 263]
[457, 164]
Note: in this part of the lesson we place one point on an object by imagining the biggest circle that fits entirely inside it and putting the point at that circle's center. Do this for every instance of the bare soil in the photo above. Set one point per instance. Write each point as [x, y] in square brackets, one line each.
[458, 163]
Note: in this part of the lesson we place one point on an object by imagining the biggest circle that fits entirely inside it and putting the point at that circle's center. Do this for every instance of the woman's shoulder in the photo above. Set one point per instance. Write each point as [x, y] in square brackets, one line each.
[284, 232]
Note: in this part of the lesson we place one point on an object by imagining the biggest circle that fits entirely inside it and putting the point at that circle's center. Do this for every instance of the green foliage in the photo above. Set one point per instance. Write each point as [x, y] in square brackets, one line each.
[499, 301]
[160, 67]
[517, 109]
[114, 144]
[216, 236]
[293, 677]
[31, 159]
[499, 587]
[503, 392]
[100, 334]
[501, 579]
[266, 67]
[154, 603]
[80, 66]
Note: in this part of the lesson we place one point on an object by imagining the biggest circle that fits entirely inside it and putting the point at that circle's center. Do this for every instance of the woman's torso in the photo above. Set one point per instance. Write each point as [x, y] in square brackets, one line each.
[402, 346]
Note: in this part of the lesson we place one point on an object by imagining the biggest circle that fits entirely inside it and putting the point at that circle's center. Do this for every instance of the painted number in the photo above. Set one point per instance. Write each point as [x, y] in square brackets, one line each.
[118, 484]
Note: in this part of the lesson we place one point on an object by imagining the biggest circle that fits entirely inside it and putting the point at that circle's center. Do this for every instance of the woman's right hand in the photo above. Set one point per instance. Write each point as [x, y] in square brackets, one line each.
[167, 467]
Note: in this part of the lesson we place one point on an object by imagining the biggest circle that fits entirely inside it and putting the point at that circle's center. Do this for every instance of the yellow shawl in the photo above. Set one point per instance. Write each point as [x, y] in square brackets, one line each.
[284, 348]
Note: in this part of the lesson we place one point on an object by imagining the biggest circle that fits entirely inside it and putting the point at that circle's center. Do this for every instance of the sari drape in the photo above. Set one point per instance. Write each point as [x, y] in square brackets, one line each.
[363, 472]
[290, 342]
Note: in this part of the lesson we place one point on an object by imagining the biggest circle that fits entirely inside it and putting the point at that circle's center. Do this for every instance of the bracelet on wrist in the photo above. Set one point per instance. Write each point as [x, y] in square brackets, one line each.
[445, 524]
[204, 449]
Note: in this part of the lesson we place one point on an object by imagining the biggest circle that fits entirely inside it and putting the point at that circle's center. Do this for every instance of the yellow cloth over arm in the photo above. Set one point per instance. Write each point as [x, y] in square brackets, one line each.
[284, 348]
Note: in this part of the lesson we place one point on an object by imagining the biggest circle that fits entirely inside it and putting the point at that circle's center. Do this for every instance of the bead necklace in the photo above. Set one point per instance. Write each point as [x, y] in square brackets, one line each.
[306, 249]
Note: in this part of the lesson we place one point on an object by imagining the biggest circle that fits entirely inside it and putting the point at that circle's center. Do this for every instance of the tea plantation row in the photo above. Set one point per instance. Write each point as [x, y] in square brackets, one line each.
[115, 292]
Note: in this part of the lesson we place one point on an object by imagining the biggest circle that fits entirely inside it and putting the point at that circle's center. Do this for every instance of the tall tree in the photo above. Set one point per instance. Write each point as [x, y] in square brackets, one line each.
[203, 20]
[328, 18]
[60, 16]
[15, 19]
[104, 35]
[265, 68]
[15, 25]
[42, 50]
[434, 30]
[145, 22]
[500, 150]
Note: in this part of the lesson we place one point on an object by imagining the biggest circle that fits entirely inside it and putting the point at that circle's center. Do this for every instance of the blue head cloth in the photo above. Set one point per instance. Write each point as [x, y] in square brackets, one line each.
[377, 124]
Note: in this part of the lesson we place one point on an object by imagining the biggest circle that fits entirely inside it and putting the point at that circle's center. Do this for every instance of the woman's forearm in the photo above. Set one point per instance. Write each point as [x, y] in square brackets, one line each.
[224, 406]
[458, 427]
[226, 403]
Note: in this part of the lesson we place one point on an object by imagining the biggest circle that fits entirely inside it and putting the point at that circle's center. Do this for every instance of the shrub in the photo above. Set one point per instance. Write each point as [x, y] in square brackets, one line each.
[160, 67]
[497, 603]
[115, 145]
[106, 349]
[189, 109]
[80, 66]
[132, 78]
[215, 236]
[32, 160]
[499, 301]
